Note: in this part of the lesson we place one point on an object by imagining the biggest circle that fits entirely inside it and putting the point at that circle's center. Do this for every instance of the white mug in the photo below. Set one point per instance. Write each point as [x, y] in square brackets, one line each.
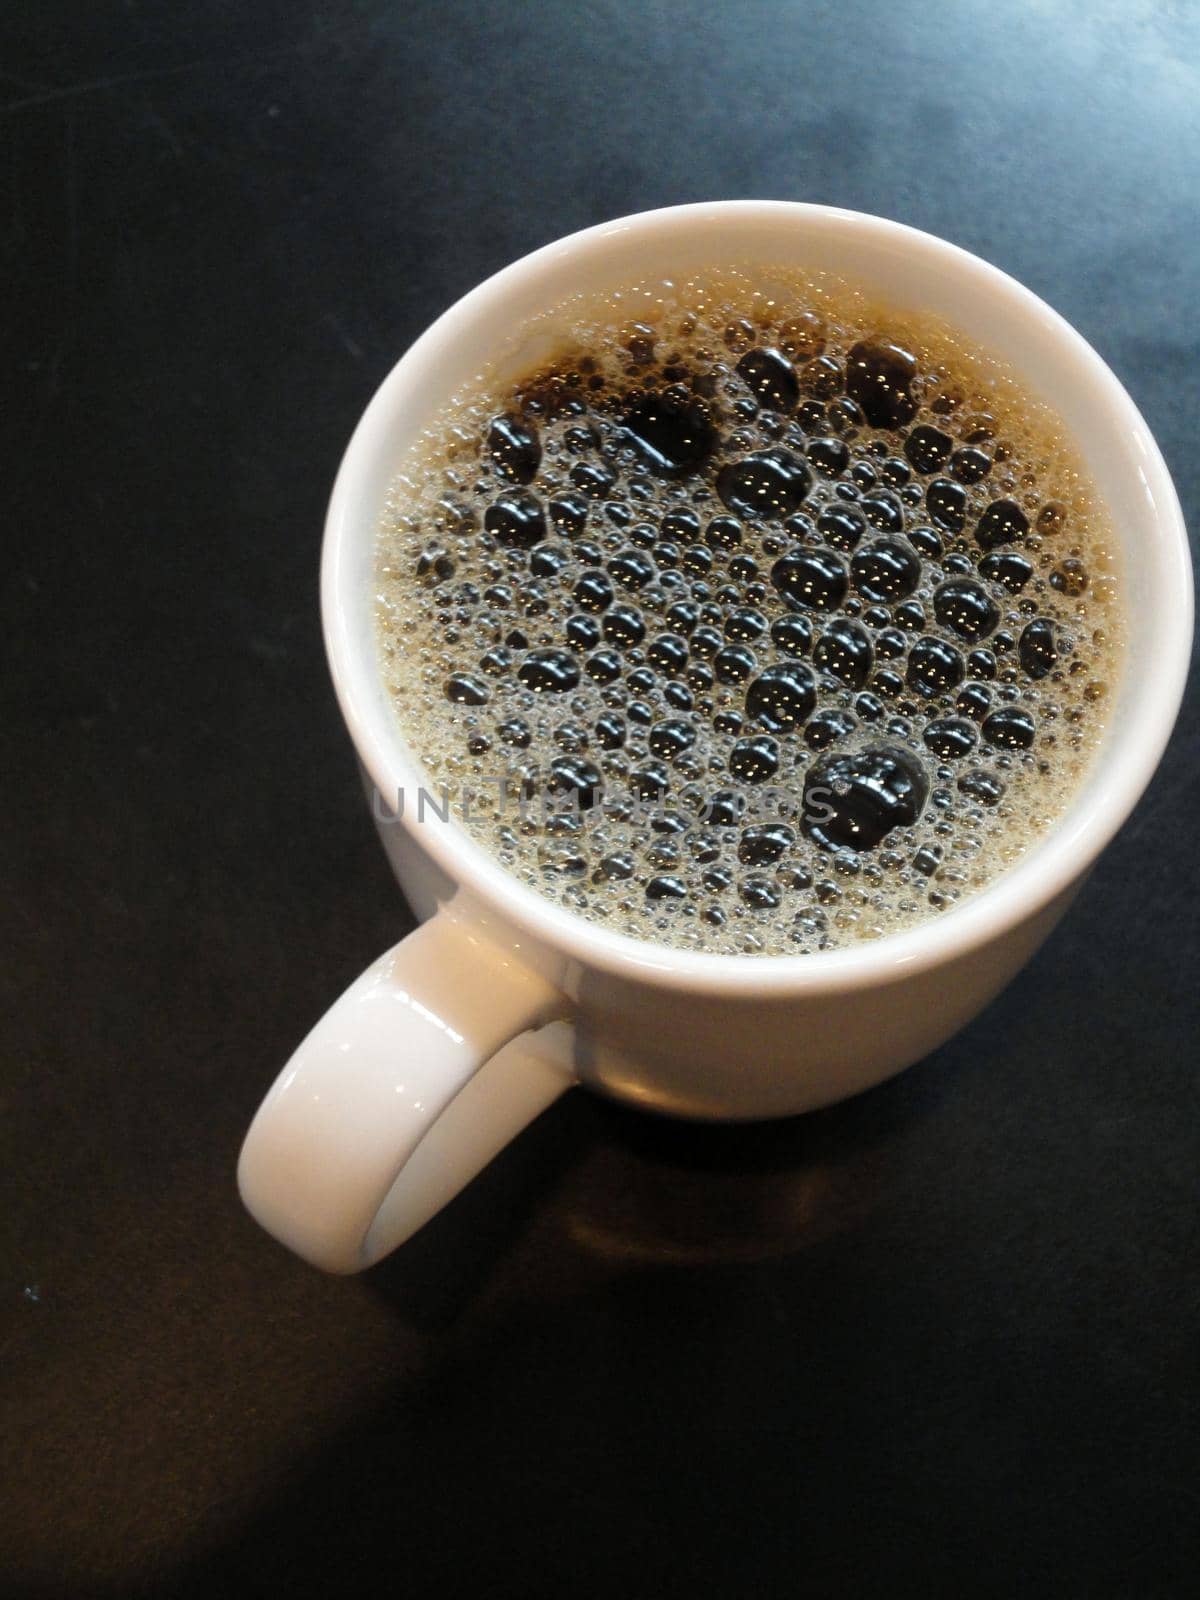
[459, 1036]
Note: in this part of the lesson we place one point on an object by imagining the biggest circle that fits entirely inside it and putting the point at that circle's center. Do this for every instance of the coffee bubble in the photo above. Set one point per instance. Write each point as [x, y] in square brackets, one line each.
[752, 625]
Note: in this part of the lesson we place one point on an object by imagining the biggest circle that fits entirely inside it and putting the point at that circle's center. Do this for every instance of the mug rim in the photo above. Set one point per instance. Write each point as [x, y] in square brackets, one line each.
[1050, 867]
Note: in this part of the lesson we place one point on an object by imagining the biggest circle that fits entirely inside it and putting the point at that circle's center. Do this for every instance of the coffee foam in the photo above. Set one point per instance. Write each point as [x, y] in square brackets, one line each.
[449, 596]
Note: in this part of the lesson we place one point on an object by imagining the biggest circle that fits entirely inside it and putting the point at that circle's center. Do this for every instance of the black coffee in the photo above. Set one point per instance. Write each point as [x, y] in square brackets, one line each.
[752, 618]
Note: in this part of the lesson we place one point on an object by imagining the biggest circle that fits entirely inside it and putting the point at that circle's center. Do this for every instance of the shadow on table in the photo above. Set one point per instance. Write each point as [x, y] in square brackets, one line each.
[618, 1314]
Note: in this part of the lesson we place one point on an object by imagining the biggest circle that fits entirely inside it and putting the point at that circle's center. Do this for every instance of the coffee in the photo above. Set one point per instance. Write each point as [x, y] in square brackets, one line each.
[749, 616]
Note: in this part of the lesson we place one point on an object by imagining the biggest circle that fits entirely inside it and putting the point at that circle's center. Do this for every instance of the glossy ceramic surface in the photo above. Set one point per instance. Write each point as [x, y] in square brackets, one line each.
[695, 1035]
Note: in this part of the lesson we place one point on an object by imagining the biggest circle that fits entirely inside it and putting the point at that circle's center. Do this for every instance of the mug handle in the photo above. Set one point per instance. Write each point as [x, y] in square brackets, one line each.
[382, 1115]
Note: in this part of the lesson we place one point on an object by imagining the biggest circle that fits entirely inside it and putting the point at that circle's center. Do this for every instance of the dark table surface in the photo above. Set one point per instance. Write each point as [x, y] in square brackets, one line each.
[941, 1340]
